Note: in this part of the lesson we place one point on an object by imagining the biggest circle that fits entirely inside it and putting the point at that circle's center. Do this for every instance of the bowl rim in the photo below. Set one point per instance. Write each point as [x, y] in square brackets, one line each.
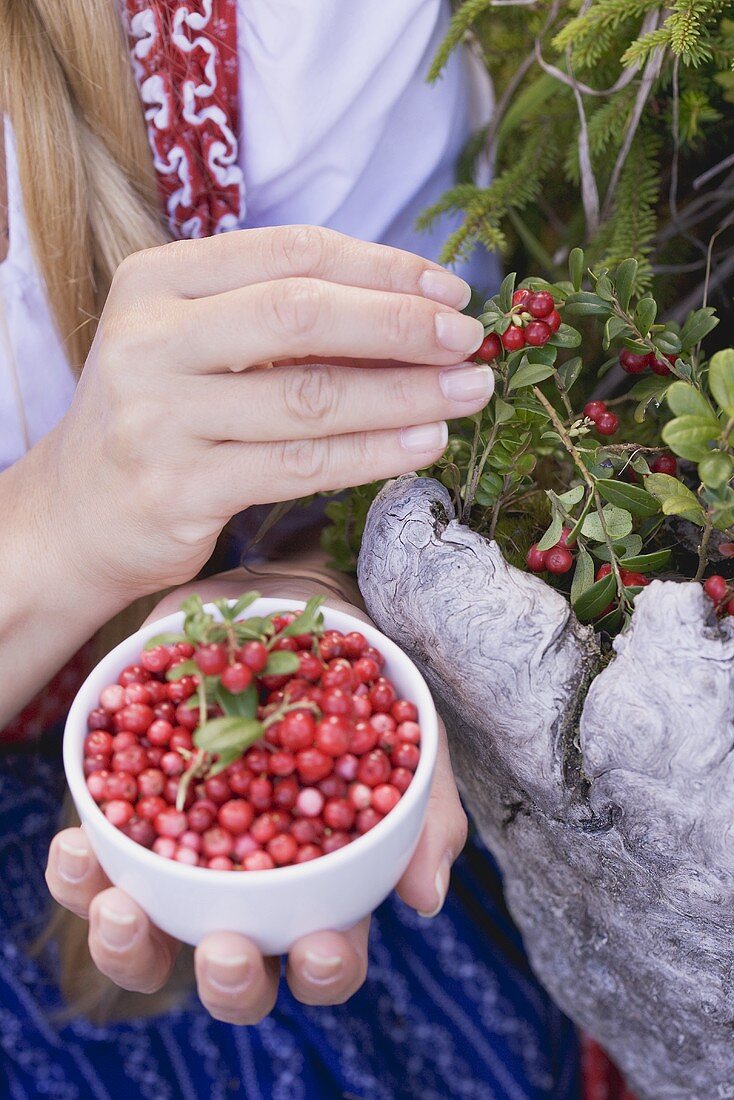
[75, 731]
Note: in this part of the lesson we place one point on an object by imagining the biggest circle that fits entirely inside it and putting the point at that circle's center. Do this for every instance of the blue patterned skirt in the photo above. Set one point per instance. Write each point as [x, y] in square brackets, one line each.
[450, 1007]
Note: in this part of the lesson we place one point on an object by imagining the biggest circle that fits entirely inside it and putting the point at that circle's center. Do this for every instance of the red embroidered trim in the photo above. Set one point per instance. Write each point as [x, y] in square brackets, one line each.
[184, 54]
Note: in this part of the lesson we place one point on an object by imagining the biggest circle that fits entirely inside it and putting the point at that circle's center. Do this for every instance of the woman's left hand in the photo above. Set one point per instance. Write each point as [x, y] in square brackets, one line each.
[235, 982]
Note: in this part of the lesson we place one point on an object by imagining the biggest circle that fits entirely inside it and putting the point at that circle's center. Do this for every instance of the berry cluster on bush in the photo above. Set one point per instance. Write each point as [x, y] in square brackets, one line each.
[250, 744]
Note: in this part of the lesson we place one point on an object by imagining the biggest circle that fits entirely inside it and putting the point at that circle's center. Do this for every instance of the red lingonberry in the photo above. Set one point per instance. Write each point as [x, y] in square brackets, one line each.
[133, 760]
[346, 767]
[385, 798]
[182, 649]
[220, 863]
[307, 852]
[382, 696]
[716, 588]
[236, 816]
[361, 706]
[558, 560]
[99, 719]
[339, 813]
[535, 559]
[313, 765]
[594, 409]
[282, 849]
[202, 815]
[165, 711]
[150, 806]
[311, 667]
[159, 732]
[171, 822]
[405, 755]
[409, 731]
[216, 842]
[633, 363]
[338, 675]
[141, 831]
[94, 764]
[211, 659]
[336, 840]
[360, 795]
[603, 571]
[540, 304]
[181, 690]
[186, 855]
[289, 645]
[97, 785]
[607, 424]
[133, 674]
[260, 793]
[98, 742]
[297, 730]
[336, 701]
[660, 366]
[729, 609]
[157, 659]
[553, 320]
[330, 645]
[112, 698]
[632, 579]
[520, 297]
[374, 768]
[401, 778]
[165, 846]
[187, 718]
[173, 764]
[122, 786]
[366, 670]
[138, 693]
[333, 735]
[537, 333]
[367, 819]
[513, 338]
[264, 828]
[254, 655]
[404, 711]
[489, 349]
[354, 644]
[665, 464]
[285, 794]
[237, 678]
[364, 738]
[281, 763]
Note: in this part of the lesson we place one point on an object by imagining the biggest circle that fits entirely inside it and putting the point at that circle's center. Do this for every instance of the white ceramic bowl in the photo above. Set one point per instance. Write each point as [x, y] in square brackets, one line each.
[276, 907]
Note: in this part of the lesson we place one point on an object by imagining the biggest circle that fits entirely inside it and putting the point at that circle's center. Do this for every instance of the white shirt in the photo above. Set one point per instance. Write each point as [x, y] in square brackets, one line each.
[338, 128]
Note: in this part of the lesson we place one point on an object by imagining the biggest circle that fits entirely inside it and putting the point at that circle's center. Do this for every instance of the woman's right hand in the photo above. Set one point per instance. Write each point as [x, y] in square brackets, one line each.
[170, 433]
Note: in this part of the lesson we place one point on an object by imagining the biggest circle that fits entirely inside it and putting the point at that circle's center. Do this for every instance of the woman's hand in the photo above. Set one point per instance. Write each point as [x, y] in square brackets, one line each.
[172, 430]
[235, 982]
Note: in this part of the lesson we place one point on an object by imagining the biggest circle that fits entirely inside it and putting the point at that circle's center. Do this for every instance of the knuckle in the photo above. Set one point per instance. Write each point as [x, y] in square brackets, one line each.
[402, 392]
[295, 306]
[309, 392]
[300, 249]
[401, 321]
[304, 460]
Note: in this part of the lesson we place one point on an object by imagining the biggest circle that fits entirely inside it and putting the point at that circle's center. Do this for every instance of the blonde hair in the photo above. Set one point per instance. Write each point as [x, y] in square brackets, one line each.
[90, 200]
[86, 171]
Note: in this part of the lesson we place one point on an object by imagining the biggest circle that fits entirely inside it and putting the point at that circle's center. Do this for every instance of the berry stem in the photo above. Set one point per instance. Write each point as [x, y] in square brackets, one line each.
[703, 546]
[575, 455]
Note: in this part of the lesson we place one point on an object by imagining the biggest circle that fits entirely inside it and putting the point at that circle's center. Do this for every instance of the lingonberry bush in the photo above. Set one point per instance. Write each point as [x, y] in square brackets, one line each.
[598, 496]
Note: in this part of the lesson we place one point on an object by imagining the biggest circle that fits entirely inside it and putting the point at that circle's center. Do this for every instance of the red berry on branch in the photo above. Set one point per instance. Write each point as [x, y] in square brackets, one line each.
[730, 607]
[563, 540]
[520, 297]
[603, 571]
[633, 363]
[607, 424]
[553, 320]
[489, 349]
[254, 655]
[594, 409]
[664, 464]
[716, 588]
[211, 659]
[537, 333]
[558, 560]
[237, 678]
[540, 304]
[659, 366]
[633, 580]
[535, 559]
[514, 338]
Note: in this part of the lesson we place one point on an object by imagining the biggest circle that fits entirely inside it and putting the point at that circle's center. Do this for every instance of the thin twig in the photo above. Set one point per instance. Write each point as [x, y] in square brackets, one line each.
[703, 547]
[649, 76]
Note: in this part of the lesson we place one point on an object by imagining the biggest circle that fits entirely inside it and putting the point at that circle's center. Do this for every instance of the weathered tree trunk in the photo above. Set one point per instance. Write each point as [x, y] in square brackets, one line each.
[608, 799]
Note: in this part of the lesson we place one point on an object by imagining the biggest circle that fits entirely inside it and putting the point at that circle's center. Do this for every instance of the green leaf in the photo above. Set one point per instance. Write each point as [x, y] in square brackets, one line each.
[645, 314]
[697, 326]
[686, 400]
[632, 497]
[646, 563]
[715, 469]
[186, 668]
[595, 599]
[583, 576]
[586, 304]
[529, 375]
[308, 621]
[618, 523]
[243, 705]
[565, 337]
[604, 288]
[721, 379]
[625, 281]
[572, 496]
[675, 497]
[576, 267]
[506, 291]
[627, 547]
[282, 663]
[568, 372]
[243, 603]
[690, 436]
[614, 327]
[223, 607]
[553, 534]
[668, 342]
[611, 621]
[525, 465]
[225, 735]
[168, 638]
[192, 605]
[502, 411]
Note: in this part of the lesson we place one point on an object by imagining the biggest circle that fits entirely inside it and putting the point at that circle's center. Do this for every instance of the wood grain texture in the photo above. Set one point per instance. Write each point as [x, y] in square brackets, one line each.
[608, 799]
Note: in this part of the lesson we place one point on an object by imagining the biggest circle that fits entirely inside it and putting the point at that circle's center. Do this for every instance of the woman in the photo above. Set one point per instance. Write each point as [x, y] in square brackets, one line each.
[119, 487]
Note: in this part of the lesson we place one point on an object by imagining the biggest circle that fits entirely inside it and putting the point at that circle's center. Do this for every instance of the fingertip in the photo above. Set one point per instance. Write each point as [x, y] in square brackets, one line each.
[236, 984]
[327, 968]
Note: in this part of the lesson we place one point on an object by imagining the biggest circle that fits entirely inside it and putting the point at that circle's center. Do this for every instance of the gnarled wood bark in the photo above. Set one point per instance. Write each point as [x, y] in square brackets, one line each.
[608, 799]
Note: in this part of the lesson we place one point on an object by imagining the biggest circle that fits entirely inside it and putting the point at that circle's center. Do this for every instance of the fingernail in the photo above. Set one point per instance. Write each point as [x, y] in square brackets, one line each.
[443, 287]
[230, 973]
[457, 332]
[467, 383]
[116, 929]
[442, 879]
[321, 968]
[73, 862]
[424, 438]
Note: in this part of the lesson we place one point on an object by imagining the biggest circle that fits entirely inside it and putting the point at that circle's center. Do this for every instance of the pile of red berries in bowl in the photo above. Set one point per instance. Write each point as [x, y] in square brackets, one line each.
[253, 738]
